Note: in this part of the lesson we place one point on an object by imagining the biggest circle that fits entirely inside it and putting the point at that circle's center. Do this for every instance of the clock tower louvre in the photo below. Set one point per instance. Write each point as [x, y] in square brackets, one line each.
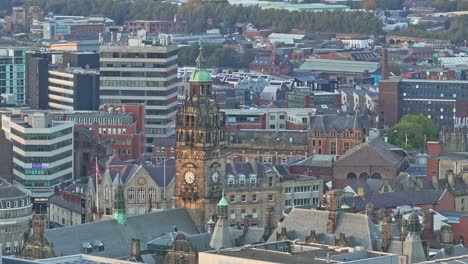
[200, 148]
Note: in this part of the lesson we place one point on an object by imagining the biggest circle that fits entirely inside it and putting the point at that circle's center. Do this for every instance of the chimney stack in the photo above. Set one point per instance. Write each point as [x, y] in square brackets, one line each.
[385, 68]
[370, 210]
[446, 238]
[135, 248]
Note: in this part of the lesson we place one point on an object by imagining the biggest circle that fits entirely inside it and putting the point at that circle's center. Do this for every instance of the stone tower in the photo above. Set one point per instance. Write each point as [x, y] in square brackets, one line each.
[413, 246]
[200, 148]
[37, 246]
[221, 237]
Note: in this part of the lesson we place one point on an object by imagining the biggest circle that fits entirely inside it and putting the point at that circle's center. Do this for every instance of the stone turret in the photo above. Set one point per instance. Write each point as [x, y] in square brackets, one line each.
[221, 237]
[334, 205]
[413, 245]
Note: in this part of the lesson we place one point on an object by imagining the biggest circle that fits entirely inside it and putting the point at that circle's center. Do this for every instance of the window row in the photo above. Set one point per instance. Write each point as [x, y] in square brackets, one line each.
[139, 195]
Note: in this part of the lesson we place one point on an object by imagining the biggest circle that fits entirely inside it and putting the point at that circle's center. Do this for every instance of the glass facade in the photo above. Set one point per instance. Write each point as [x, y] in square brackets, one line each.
[13, 74]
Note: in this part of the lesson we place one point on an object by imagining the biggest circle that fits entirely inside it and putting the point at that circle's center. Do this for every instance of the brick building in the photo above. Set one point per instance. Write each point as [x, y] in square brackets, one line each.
[121, 125]
[269, 62]
[152, 27]
[335, 134]
[442, 101]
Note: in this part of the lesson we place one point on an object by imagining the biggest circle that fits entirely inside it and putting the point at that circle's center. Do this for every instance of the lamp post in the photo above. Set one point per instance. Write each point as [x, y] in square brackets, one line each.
[406, 138]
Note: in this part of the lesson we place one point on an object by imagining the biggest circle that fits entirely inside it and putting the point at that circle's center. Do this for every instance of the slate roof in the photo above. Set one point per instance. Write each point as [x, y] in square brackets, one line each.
[374, 152]
[338, 122]
[394, 199]
[358, 228]
[246, 169]
[156, 172]
[9, 191]
[317, 160]
[59, 200]
[116, 238]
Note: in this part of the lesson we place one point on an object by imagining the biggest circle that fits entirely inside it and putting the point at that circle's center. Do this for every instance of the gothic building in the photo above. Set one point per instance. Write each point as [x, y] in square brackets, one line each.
[200, 148]
[37, 246]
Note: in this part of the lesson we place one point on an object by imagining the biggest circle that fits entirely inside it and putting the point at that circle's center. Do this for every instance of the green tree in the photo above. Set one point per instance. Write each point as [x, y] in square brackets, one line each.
[412, 132]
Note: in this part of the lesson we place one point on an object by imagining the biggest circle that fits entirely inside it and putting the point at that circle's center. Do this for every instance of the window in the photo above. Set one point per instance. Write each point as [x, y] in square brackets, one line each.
[8, 247]
[243, 198]
[232, 199]
[16, 203]
[254, 198]
[131, 195]
[272, 117]
[333, 148]
[8, 204]
[345, 146]
[254, 213]
[287, 203]
[106, 193]
[270, 197]
[242, 213]
[242, 180]
[141, 195]
[152, 194]
[287, 190]
[315, 188]
[233, 214]
[253, 180]
[231, 180]
[270, 181]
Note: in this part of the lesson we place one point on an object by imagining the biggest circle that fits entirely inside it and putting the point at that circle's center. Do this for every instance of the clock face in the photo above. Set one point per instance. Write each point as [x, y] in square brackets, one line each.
[189, 177]
[141, 181]
[215, 176]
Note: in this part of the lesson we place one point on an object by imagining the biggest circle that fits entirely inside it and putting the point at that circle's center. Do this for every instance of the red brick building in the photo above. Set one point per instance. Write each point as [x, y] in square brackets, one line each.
[175, 26]
[269, 62]
[335, 134]
[120, 125]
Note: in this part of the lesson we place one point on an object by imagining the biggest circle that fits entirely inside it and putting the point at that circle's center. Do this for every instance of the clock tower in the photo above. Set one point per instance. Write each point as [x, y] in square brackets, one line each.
[200, 148]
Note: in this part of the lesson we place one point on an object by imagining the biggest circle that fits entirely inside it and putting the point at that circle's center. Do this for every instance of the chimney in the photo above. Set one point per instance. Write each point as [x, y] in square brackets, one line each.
[385, 68]
[334, 200]
[450, 178]
[361, 192]
[381, 214]
[370, 210]
[135, 248]
[386, 233]
[435, 183]
[446, 238]
[428, 222]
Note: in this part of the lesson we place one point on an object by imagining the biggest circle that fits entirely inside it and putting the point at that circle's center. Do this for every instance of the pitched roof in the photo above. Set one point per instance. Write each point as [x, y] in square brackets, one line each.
[317, 160]
[358, 228]
[115, 237]
[374, 152]
[338, 122]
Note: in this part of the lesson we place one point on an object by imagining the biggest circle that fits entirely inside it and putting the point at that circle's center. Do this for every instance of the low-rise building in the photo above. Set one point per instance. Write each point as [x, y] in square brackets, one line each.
[15, 216]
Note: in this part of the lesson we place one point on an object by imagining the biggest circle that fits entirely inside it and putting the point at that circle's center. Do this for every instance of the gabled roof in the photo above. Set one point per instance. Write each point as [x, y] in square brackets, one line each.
[117, 238]
[339, 122]
[374, 152]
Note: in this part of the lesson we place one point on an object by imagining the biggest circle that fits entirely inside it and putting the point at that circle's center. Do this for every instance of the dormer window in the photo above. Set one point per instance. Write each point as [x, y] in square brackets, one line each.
[98, 246]
[231, 180]
[87, 248]
[242, 180]
[253, 179]
[333, 133]
[316, 133]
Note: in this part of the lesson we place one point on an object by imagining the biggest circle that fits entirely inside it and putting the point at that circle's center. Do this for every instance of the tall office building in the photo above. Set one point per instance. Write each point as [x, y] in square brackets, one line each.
[13, 73]
[73, 89]
[42, 152]
[142, 74]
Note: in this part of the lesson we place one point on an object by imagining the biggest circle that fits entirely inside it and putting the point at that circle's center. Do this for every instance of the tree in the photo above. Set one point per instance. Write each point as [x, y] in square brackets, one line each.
[412, 132]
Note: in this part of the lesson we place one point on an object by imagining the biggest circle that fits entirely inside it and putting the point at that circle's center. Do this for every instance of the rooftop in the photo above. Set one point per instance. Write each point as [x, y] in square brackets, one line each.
[339, 66]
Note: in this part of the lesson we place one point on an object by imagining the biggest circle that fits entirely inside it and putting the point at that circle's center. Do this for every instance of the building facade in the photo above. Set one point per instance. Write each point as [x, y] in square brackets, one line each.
[13, 73]
[73, 89]
[42, 152]
[15, 216]
[142, 75]
[442, 101]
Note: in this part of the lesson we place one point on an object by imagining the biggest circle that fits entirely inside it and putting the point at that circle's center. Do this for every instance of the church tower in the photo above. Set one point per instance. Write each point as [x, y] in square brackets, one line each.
[200, 148]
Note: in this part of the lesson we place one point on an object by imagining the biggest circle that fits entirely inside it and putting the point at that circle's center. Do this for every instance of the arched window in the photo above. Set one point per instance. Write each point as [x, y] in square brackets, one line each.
[316, 132]
[351, 176]
[333, 133]
[141, 194]
[376, 175]
[363, 176]
[106, 192]
[131, 195]
[152, 194]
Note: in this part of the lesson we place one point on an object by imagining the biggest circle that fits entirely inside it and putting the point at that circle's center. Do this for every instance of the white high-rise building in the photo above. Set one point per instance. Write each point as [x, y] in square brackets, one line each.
[42, 152]
[142, 74]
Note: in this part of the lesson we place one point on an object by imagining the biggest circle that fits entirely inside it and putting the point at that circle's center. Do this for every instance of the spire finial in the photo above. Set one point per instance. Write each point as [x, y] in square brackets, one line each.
[201, 58]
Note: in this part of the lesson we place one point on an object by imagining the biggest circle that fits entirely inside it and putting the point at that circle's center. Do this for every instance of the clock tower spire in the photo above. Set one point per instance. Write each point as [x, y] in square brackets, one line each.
[200, 148]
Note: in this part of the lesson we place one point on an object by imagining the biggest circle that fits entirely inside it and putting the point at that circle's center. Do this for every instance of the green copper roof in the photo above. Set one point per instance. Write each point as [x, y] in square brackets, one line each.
[345, 206]
[223, 202]
[200, 74]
